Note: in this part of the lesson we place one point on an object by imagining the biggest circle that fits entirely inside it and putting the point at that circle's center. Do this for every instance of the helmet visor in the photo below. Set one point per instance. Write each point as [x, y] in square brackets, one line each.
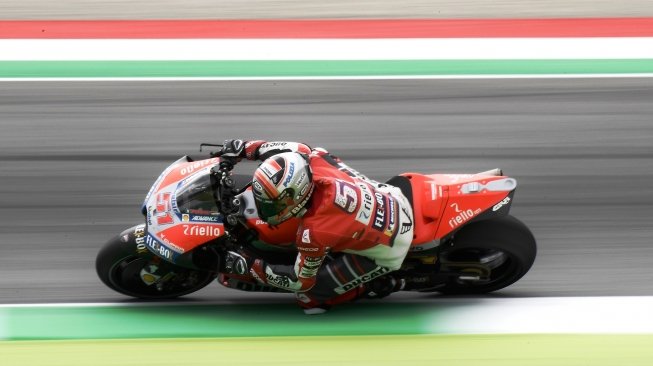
[268, 208]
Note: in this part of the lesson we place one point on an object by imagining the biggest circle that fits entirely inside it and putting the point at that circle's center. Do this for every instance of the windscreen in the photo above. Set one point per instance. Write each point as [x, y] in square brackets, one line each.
[195, 196]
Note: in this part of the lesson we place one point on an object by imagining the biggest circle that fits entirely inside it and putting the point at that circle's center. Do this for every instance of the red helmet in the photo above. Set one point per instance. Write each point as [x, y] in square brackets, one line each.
[282, 186]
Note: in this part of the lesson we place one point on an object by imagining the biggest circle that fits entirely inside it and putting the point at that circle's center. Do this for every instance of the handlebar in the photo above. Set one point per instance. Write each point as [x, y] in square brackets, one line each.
[211, 153]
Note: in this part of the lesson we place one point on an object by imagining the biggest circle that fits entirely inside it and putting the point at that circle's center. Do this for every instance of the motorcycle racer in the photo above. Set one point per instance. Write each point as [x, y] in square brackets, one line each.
[353, 231]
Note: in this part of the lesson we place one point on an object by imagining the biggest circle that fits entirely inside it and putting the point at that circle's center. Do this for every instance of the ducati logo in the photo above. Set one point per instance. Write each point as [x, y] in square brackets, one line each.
[306, 237]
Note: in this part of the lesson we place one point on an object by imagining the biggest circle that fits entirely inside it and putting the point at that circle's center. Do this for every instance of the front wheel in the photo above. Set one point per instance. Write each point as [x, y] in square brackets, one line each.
[125, 265]
[488, 255]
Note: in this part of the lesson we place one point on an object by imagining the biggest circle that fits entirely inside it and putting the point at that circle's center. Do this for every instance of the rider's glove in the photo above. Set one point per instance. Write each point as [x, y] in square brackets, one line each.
[237, 263]
[233, 149]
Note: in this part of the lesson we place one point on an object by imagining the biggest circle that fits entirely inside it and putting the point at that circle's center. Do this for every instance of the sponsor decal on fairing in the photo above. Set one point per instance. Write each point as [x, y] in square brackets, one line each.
[159, 248]
[139, 239]
[197, 165]
[462, 215]
[499, 205]
[205, 218]
[202, 230]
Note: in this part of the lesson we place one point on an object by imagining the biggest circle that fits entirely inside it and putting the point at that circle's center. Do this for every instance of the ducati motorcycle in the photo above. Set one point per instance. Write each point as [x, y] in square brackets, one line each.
[465, 241]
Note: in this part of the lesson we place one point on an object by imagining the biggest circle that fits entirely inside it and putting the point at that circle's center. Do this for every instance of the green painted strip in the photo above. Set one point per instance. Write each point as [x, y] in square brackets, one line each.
[4, 324]
[460, 350]
[260, 320]
[39, 69]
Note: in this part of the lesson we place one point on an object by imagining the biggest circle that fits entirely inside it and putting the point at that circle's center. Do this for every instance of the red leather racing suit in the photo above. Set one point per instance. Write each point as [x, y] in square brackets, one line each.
[354, 230]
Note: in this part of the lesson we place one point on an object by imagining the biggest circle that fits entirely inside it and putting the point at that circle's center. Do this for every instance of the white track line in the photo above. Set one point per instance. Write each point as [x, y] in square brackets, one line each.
[327, 49]
[380, 77]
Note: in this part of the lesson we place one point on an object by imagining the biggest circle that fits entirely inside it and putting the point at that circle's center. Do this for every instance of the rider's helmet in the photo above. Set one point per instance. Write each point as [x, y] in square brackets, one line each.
[282, 186]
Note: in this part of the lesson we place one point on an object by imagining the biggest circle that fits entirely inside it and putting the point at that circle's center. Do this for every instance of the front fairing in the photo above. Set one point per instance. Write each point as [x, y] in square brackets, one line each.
[181, 212]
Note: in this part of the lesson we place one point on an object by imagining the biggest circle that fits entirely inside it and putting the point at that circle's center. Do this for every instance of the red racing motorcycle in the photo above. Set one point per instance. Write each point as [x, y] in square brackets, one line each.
[465, 241]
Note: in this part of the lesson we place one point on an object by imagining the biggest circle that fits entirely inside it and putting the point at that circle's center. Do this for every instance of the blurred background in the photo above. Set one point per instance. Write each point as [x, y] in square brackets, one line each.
[340, 9]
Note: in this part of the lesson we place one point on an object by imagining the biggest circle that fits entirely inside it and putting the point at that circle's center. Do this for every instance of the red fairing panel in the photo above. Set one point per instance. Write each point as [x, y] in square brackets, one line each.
[443, 203]
[184, 170]
[171, 231]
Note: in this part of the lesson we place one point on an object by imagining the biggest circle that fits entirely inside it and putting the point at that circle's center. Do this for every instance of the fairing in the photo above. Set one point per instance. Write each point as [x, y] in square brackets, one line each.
[443, 203]
[180, 209]
[182, 214]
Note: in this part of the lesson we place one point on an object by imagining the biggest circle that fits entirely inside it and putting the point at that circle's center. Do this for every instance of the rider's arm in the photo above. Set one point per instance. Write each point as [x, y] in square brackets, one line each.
[261, 150]
[298, 278]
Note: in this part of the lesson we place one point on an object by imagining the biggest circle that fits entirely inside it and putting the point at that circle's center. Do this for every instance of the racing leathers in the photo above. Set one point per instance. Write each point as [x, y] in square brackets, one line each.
[354, 230]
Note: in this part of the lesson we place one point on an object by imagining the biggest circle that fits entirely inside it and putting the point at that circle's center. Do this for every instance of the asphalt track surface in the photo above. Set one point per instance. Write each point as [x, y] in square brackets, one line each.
[77, 158]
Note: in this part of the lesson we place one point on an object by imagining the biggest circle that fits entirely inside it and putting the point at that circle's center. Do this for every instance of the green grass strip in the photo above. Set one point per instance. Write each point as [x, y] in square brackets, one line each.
[458, 350]
[44, 69]
[252, 320]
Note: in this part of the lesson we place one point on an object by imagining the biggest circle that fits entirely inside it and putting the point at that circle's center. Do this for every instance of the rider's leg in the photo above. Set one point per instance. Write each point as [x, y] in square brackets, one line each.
[342, 279]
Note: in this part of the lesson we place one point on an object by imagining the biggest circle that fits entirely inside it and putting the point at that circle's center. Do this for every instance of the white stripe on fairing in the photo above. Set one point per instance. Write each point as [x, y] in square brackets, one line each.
[549, 315]
[328, 49]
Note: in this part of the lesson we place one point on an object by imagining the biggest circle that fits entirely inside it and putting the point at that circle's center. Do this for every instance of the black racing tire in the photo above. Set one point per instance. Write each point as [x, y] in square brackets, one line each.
[506, 240]
[121, 259]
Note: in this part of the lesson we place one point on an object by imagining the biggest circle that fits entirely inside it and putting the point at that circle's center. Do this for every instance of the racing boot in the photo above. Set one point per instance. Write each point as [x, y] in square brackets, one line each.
[383, 286]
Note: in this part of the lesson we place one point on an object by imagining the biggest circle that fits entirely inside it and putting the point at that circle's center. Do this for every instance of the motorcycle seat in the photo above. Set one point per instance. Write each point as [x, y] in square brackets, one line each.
[425, 208]
[404, 185]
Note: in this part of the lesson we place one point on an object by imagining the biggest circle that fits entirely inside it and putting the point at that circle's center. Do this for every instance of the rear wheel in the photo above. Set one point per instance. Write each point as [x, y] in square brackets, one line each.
[126, 266]
[487, 256]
